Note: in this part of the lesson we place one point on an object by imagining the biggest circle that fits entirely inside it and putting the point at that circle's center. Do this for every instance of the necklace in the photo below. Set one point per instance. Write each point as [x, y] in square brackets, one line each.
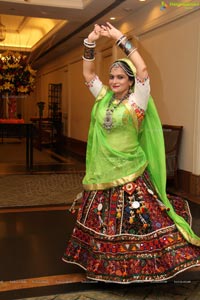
[108, 120]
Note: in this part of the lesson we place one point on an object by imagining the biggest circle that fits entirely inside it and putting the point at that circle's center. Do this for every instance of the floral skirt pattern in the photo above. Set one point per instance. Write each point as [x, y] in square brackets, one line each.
[124, 235]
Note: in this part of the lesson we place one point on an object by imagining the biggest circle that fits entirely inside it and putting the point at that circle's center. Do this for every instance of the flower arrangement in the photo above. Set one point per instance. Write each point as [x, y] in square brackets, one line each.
[16, 75]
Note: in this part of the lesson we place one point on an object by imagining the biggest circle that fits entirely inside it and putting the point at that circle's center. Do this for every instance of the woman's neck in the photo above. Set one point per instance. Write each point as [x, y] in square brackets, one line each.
[119, 96]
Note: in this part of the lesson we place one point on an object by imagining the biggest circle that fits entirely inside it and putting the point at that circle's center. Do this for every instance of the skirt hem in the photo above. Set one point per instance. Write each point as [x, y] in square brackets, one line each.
[132, 281]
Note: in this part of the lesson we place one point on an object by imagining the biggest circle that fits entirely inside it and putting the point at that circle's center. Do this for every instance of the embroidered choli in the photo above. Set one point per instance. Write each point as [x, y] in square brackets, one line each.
[115, 157]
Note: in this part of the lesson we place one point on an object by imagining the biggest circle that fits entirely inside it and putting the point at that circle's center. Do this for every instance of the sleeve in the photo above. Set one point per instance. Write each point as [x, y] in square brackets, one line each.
[141, 93]
[95, 86]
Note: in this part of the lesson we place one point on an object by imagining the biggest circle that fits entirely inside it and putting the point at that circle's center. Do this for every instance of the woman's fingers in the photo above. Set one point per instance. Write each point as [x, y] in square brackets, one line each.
[97, 28]
[109, 25]
[107, 30]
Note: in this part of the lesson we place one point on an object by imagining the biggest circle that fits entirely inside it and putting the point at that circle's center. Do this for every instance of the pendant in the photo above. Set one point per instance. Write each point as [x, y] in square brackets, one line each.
[108, 122]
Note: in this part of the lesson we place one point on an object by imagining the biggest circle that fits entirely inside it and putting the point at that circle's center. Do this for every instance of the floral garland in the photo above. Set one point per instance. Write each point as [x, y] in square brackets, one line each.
[16, 75]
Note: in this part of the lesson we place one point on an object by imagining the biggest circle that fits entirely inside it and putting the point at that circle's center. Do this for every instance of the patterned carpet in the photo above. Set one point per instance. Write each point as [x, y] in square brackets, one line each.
[180, 290]
[34, 190]
[52, 181]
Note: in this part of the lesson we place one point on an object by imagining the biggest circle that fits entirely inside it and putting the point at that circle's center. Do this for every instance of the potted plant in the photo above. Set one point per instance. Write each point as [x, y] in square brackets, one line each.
[41, 106]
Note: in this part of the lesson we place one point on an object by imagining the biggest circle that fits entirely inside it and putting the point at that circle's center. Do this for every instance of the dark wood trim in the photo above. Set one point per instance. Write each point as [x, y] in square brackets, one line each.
[189, 185]
[73, 147]
[195, 184]
[184, 180]
[189, 182]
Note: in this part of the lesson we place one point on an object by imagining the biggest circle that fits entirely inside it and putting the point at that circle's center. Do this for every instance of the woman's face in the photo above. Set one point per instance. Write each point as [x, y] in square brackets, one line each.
[119, 82]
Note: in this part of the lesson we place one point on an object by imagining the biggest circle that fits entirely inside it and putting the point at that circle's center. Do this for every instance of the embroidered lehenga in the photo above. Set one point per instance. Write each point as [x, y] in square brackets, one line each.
[128, 229]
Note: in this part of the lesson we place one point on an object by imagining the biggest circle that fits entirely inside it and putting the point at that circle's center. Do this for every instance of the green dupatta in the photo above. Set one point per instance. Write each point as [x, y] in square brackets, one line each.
[152, 142]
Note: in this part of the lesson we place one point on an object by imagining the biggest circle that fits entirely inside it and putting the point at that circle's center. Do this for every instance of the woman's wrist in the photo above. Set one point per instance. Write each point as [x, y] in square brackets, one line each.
[126, 46]
[119, 40]
[89, 50]
[89, 43]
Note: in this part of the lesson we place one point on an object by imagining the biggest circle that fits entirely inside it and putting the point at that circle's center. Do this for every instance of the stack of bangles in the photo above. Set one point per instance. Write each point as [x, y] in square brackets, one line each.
[89, 50]
[122, 42]
[125, 45]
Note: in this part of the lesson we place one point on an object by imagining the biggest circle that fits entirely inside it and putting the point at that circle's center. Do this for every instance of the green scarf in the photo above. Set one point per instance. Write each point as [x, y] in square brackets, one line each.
[152, 142]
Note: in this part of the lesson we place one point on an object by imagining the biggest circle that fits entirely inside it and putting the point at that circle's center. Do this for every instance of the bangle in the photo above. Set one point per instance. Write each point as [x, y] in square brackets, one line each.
[126, 46]
[88, 54]
[89, 44]
[120, 39]
[88, 50]
[133, 50]
[88, 59]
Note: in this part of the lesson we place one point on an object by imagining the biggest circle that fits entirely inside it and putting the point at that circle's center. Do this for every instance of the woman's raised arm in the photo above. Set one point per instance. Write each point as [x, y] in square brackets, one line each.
[110, 31]
[89, 53]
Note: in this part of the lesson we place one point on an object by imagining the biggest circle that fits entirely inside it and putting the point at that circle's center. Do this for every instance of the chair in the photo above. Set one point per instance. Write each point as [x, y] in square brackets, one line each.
[172, 139]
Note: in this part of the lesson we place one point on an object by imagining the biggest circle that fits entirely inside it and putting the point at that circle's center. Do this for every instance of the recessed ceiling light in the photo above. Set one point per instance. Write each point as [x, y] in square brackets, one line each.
[128, 9]
[112, 18]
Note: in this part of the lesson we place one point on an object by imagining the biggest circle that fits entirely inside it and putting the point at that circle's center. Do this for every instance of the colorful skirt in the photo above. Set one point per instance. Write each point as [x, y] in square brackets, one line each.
[125, 235]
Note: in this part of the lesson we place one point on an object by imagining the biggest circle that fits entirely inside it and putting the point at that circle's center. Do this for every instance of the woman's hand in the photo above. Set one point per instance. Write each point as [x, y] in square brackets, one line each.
[107, 30]
[95, 34]
[110, 31]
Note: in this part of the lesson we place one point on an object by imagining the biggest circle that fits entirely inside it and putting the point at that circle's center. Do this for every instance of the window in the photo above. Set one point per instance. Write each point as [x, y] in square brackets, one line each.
[55, 101]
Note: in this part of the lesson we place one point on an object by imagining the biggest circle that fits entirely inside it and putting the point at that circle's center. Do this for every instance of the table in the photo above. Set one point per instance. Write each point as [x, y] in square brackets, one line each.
[24, 129]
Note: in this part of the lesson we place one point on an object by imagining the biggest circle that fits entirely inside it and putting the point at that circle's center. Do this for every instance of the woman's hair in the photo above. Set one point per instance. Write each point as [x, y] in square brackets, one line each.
[126, 68]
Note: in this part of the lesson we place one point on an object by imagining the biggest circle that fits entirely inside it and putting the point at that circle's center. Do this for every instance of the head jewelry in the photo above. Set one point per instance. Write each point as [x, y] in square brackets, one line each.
[126, 65]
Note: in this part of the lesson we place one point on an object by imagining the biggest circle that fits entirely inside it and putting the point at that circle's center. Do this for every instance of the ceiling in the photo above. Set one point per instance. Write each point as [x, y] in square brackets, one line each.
[47, 28]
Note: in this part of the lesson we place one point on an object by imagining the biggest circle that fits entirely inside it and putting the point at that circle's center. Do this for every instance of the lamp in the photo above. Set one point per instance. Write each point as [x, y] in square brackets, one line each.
[2, 31]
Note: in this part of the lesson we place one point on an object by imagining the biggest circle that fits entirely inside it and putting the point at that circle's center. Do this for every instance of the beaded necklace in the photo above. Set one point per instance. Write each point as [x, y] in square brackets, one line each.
[108, 120]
